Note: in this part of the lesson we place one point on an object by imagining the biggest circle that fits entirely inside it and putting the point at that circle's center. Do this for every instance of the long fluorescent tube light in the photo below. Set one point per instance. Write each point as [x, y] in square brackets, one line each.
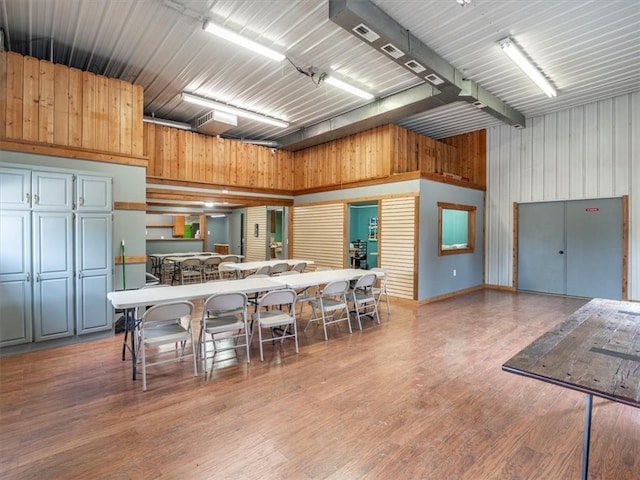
[223, 107]
[167, 123]
[347, 88]
[520, 59]
[232, 36]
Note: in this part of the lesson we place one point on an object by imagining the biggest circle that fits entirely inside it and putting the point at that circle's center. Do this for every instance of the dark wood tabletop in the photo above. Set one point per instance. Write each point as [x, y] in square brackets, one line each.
[596, 350]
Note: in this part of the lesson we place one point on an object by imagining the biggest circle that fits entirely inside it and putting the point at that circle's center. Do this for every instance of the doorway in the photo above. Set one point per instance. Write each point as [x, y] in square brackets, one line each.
[363, 235]
[572, 248]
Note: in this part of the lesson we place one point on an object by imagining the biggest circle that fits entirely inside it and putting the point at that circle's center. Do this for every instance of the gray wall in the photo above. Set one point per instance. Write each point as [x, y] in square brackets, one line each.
[218, 231]
[435, 273]
[129, 185]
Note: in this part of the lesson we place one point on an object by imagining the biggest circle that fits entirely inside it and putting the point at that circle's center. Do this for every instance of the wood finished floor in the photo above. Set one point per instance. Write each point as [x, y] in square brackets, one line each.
[420, 397]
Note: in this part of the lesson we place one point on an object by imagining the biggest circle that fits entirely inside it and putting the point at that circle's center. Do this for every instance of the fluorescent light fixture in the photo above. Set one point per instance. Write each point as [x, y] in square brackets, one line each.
[347, 88]
[520, 59]
[232, 36]
[223, 107]
[208, 204]
[167, 123]
[217, 215]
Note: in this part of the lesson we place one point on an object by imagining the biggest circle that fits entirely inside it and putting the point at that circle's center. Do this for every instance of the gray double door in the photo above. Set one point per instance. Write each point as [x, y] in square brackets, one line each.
[571, 248]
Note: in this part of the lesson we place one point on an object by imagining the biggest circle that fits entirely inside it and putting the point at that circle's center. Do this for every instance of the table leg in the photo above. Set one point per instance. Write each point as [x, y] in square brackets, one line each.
[130, 329]
[587, 436]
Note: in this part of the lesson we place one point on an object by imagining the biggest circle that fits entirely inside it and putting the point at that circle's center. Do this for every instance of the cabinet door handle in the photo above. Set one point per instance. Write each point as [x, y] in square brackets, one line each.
[36, 200]
[81, 201]
[28, 277]
[38, 277]
[28, 198]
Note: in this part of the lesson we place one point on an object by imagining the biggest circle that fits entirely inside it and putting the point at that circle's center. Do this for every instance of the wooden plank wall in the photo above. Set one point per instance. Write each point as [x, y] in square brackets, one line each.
[388, 150]
[187, 156]
[398, 249]
[471, 151]
[53, 104]
[363, 156]
[256, 247]
[319, 234]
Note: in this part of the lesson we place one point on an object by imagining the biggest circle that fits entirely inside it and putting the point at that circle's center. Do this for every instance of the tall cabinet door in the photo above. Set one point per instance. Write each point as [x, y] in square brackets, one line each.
[93, 263]
[541, 258]
[53, 275]
[15, 277]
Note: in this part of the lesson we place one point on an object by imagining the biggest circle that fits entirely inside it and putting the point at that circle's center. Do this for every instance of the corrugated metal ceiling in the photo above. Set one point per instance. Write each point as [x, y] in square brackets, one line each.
[589, 49]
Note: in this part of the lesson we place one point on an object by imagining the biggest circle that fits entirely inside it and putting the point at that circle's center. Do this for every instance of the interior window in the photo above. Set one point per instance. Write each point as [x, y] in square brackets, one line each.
[456, 228]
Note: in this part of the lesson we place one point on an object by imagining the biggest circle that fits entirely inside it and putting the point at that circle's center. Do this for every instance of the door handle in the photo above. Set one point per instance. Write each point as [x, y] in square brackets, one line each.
[561, 252]
[28, 277]
[38, 277]
[36, 199]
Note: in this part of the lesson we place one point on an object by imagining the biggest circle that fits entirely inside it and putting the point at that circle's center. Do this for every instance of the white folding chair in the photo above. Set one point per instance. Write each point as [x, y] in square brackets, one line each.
[276, 311]
[226, 270]
[210, 268]
[190, 271]
[224, 313]
[163, 324]
[364, 302]
[381, 290]
[299, 267]
[331, 304]
[278, 268]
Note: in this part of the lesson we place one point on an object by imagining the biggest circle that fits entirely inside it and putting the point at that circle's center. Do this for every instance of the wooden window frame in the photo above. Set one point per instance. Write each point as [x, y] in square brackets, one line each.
[471, 228]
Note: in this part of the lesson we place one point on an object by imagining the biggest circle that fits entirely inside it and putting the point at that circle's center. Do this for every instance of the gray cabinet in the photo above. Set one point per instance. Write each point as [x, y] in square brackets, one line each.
[54, 272]
[15, 277]
[93, 194]
[93, 264]
[52, 275]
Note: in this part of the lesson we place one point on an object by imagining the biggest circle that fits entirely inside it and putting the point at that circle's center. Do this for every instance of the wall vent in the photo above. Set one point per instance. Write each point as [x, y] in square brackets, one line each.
[366, 33]
[392, 50]
[478, 104]
[415, 66]
[433, 78]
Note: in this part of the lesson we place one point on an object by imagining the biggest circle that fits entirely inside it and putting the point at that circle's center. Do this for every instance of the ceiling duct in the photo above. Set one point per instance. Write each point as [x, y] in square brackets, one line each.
[369, 23]
[215, 122]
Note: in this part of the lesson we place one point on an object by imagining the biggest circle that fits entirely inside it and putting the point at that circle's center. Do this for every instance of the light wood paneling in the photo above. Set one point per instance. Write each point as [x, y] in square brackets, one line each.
[43, 103]
[179, 155]
[256, 246]
[318, 234]
[397, 243]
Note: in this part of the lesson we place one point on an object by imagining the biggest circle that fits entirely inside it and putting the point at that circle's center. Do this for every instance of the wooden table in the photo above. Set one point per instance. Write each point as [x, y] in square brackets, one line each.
[595, 351]
[129, 300]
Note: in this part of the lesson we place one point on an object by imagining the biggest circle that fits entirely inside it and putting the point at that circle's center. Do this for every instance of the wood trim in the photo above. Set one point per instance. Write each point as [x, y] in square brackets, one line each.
[401, 177]
[185, 196]
[131, 259]
[514, 259]
[156, 180]
[503, 288]
[625, 247]
[130, 206]
[70, 152]
[452, 181]
[362, 199]
[450, 295]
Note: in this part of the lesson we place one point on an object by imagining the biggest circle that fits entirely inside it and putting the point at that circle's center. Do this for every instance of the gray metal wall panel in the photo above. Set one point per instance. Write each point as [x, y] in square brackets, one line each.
[588, 153]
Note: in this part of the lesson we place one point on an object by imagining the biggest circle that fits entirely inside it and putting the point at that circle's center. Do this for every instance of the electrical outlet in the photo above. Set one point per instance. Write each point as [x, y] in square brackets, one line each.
[454, 272]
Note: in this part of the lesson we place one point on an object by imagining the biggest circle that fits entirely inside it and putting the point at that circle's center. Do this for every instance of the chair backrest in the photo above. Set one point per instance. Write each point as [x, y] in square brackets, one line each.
[337, 287]
[190, 264]
[226, 267]
[231, 259]
[165, 313]
[212, 261]
[384, 275]
[279, 297]
[299, 267]
[279, 267]
[365, 281]
[264, 270]
[227, 303]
